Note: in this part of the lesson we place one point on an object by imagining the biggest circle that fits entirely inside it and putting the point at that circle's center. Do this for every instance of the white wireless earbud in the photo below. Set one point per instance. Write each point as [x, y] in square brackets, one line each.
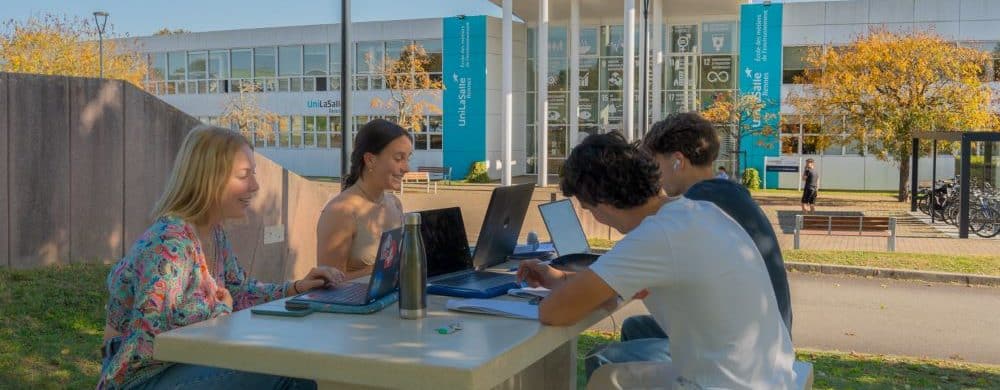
[677, 164]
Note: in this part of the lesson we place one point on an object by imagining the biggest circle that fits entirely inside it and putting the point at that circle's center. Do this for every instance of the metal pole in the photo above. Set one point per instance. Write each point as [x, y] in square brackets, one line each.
[644, 96]
[963, 203]
[100, 21]
[542, 80]
[574, 72]
[508, 88]
[933, 199]
[346, 84]
[628, 95]
[657, 109]
[100, 50]
[914, 159]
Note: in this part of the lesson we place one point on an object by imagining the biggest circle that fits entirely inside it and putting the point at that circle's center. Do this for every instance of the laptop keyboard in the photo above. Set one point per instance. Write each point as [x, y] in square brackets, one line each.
[478, 280]
[349, 293]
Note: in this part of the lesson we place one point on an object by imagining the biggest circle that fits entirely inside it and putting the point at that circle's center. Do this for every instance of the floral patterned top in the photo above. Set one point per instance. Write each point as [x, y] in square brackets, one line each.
[163, 283]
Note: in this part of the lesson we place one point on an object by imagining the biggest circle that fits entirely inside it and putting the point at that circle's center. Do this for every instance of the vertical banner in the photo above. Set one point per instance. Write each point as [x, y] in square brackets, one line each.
[760, 63]
[464, 97]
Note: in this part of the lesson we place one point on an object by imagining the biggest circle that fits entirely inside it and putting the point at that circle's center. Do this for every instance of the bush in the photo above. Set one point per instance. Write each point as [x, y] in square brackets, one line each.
[751, 179]
[478, 173]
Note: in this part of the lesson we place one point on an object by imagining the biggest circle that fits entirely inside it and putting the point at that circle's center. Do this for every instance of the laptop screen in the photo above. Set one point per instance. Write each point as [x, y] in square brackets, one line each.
[564, 227]
[385, 275]
[445, 241]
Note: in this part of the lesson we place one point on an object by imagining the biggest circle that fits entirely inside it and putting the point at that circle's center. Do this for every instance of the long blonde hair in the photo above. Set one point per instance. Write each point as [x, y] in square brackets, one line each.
[202, 166]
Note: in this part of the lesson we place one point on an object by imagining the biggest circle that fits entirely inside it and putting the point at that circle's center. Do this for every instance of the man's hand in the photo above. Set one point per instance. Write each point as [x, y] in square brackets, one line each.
[537, 273]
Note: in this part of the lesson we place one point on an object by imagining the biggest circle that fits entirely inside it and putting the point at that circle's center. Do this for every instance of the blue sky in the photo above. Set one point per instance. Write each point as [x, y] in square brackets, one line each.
[143, 17]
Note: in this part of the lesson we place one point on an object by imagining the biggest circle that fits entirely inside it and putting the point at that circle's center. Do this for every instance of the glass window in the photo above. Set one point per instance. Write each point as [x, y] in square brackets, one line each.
[558, 42]
[419, 141]
[218, 65]
[557, 141]
[794, 63]
[558, 70]
[284, 127]
[394, 49]
[297, 125]
[612, 40]
[588, 74]
[369, 56]
[177, 65]
[158, 66]
[197, 65]
[531, 43]
[309, 136]
[335, 58]
[789, 144]
[241, 64]
[436, 141]
[434, 124]
[263, 62]
[683, 38]
[290, 60]
[588, 41]
[810, 144]
[433, 49]
[314, 59]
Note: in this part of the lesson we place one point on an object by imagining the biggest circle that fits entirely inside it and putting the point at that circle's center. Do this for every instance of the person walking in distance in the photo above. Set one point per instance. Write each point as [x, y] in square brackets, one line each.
[809, 191]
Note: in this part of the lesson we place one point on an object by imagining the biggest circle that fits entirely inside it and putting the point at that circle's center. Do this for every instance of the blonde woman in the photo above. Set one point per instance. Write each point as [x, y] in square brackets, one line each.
[182, 270]
[351, 223]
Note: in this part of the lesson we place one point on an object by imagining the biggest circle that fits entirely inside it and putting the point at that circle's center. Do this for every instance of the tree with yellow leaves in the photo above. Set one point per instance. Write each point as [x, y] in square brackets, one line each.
[245, 112]
[409, 86]
[885, 86]
[60, 45]
[740, 116]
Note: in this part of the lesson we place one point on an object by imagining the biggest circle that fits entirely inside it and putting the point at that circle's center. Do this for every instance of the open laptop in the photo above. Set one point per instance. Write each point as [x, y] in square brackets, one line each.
[383, 280]
[567, 234]
[450, 268]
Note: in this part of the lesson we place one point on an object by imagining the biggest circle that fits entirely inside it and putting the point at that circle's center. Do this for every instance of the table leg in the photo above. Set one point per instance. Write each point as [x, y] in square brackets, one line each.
[557, 370]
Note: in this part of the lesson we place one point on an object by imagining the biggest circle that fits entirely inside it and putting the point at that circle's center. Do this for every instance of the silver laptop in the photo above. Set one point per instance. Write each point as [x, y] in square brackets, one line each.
[567, 234]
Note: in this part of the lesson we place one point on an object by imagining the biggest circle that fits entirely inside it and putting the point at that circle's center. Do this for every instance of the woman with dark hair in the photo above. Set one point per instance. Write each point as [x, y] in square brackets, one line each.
[351, 223]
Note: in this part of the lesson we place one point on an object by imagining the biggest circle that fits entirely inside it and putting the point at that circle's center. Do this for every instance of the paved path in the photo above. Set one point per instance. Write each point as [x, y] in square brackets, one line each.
[939, 321]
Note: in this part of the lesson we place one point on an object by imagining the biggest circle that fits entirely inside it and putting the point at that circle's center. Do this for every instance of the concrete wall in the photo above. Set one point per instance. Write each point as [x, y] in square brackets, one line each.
[864, 172]
[84, 160]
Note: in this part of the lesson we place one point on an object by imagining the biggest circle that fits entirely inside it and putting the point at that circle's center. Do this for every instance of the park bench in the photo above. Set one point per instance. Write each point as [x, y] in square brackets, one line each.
[427, 176]
[846, 224]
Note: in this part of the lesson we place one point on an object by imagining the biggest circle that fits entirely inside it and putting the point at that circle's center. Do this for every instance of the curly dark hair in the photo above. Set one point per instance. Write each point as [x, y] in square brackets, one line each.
[688, 133]
[605, 168]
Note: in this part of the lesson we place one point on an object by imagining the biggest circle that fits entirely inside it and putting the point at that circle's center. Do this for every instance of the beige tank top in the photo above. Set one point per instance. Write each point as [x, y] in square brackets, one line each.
[368, 228]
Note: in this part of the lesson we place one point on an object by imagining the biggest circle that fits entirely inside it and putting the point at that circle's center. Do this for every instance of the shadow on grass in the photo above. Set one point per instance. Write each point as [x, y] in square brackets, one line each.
[838, 370]
[51, 321]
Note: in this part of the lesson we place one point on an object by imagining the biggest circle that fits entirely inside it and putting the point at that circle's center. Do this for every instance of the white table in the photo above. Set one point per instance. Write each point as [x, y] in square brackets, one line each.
[383, 351]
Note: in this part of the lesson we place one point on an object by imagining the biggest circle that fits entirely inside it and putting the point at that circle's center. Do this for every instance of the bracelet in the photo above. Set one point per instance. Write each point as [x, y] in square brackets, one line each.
[295, 286]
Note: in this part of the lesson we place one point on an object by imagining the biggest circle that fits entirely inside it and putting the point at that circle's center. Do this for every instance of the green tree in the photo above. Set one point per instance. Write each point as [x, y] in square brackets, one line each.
[885, 86]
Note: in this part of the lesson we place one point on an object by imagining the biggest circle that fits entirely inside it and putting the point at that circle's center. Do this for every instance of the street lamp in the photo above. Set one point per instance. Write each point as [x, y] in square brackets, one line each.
[101, 20]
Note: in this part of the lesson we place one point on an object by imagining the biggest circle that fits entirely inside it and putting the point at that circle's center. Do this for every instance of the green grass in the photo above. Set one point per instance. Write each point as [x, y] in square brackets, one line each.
[839, 370]
[964, 264]
[51, 321]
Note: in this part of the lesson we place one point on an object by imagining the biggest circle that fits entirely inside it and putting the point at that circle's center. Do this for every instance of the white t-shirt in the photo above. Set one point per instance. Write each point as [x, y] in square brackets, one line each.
[709, 290]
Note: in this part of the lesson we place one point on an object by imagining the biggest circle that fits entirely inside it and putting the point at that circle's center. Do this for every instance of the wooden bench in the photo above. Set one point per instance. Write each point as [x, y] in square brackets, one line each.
[437, 173]
[417, 177]
[845, 224]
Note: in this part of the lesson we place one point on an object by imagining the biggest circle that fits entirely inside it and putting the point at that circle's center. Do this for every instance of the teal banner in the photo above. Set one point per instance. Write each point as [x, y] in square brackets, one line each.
[464, 96]
[760, 75]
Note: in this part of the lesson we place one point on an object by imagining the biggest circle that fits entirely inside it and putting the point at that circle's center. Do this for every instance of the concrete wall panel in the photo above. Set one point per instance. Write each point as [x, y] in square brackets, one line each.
[153, 134]
[39, 170]
[4, 199]
[303, 202]
[265, 262]
[96, 169]
[936, 10]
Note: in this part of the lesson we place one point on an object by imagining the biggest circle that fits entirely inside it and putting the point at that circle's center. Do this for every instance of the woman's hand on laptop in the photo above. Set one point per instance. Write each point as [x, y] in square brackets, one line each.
[320, 277]
[537, 273]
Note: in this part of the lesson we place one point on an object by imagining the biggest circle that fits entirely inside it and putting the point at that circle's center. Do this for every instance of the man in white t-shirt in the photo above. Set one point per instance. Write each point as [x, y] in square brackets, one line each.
[700, 274]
